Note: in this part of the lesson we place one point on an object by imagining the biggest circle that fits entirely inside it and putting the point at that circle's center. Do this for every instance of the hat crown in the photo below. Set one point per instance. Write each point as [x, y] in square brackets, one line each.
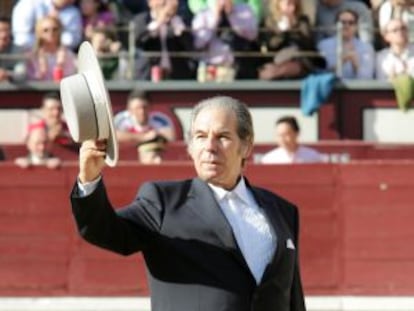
[86, 103]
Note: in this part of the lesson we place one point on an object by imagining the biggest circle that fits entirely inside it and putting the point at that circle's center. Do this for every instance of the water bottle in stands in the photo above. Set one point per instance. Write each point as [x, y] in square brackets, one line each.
[123, 70]
[202, 72]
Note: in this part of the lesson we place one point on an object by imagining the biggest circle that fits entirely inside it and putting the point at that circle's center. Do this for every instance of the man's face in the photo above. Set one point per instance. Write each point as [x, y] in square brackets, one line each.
[139, 109]
[215, 147]
[52, 111]
[286, 137]
[5, 35]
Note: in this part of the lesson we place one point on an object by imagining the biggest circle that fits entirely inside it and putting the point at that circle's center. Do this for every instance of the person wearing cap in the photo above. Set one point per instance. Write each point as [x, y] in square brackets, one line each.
[151, 151]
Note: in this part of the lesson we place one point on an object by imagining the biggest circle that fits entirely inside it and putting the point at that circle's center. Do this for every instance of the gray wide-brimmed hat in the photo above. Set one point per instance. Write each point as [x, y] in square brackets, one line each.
[86, 104]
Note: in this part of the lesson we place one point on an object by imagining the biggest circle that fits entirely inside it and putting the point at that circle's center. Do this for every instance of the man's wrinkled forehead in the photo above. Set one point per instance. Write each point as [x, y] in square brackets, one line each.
[206, 119]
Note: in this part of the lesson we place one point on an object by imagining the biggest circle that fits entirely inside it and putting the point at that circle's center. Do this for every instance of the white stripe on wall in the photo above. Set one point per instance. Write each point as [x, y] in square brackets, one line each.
[314, 303]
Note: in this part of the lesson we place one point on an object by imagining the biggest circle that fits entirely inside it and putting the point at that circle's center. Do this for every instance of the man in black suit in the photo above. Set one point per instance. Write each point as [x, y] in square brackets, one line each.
[212, 243]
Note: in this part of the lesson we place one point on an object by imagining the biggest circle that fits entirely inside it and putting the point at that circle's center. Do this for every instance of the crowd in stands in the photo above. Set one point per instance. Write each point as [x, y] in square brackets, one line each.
[209, 39]
[137, 127]
[198, 39]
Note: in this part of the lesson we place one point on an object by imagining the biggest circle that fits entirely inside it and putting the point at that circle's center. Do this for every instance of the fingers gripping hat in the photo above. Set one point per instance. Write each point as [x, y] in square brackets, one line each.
[86, 104]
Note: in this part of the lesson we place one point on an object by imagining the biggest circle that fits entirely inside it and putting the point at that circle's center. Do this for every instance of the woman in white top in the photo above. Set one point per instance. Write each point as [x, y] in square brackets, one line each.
[289, 150]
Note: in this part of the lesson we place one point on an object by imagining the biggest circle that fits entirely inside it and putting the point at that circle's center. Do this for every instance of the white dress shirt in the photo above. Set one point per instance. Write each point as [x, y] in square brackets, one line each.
[253, 233]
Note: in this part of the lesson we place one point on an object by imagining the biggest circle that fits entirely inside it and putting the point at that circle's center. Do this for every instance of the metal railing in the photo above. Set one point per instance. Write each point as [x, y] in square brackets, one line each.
[128, 57]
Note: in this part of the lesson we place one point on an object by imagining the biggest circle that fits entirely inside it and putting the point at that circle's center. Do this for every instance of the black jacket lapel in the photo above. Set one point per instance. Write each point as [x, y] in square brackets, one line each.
[209, 211]
[279, 228]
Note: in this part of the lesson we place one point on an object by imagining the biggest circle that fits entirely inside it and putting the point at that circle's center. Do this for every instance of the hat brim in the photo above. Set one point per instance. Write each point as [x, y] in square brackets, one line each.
[88, 66]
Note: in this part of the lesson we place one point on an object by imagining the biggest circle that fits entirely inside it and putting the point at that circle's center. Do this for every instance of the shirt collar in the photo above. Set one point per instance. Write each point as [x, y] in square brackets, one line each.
[240, 190]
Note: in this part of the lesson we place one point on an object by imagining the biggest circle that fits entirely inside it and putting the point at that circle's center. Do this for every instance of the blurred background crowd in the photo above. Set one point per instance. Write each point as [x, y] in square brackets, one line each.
[199, 40]
[219, 40]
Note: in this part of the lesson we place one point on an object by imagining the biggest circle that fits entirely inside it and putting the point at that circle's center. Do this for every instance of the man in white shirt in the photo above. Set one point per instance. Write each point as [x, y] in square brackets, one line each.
[289, 150]
[137, 124]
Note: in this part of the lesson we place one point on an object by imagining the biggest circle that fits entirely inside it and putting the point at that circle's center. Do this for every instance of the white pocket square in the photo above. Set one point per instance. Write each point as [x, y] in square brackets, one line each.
[289, 244]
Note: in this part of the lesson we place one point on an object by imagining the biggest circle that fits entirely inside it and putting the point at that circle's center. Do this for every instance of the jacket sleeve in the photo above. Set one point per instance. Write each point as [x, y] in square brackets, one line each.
[124, 231]
[297, 302]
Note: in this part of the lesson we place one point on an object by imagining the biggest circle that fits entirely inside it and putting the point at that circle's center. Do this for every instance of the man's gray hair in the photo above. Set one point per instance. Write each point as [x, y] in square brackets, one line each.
[243, 116]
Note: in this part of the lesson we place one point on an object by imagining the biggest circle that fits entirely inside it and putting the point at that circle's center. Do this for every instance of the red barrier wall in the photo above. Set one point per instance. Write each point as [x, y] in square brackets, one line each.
[177, 151]
[356, 228]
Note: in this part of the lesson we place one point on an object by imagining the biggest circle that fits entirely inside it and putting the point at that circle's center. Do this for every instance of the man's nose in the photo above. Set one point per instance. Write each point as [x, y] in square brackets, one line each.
[211, 144]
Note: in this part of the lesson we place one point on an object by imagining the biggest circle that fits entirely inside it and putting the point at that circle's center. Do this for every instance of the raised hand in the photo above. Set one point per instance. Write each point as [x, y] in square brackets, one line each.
[91, 160]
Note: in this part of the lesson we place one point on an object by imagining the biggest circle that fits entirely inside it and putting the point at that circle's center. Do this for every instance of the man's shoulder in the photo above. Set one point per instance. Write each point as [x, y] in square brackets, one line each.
[288, 210]
[166, 194]
[278, 199]
[167, 187]
[121, 118]
[160, 119]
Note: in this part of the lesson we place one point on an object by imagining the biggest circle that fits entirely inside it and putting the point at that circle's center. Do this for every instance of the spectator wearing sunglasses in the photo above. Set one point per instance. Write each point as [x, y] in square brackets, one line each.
[49, 59]
[26, 13]
[327, 10]
[357, 58]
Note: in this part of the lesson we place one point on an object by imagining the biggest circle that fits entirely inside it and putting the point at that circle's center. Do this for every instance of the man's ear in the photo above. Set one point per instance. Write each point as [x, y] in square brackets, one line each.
[247, 149]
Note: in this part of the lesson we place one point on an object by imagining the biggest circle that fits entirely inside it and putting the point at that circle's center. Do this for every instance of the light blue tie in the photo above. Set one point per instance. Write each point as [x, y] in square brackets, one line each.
[252, 232]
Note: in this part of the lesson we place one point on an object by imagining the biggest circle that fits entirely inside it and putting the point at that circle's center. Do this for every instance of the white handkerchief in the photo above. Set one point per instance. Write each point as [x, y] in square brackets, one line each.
[289, 244]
